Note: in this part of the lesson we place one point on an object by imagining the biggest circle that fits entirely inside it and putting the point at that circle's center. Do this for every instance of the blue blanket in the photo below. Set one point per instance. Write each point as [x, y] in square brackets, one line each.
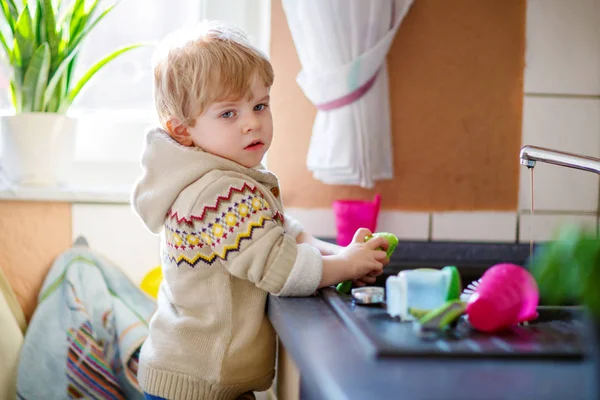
[84, 338]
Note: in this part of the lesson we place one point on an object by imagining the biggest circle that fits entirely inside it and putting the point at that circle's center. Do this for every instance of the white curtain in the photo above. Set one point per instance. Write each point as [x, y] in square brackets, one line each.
[342, 46]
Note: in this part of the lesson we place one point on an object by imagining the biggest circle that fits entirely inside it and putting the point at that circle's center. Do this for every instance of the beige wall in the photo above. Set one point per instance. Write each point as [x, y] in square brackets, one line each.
[456, 85]
[32, 235]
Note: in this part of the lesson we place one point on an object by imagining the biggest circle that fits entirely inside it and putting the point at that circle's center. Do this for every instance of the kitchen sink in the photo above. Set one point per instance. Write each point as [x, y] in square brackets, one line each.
[559, 332]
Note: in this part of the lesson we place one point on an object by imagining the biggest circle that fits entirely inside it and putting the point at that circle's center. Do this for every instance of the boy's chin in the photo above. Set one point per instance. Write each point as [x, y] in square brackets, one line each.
[249, 163]
[245, 160]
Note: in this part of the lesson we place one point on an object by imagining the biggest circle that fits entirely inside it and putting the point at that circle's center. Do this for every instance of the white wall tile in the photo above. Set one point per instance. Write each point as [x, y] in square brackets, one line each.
[316, 221]
[563, 47]
[406, 225]
[545, 225]
[118, 234]
[571, 125]
[475, 226]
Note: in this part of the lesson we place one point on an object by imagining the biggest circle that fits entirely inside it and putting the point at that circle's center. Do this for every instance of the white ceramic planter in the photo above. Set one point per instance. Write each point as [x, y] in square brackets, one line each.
[38, 149]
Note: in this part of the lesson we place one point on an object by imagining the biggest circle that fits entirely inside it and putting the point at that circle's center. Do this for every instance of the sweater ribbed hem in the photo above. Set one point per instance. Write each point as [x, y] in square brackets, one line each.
[177, 386]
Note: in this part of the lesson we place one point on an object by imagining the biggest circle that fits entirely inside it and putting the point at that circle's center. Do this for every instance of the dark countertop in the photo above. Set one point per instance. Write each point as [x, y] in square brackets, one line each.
[333, 366]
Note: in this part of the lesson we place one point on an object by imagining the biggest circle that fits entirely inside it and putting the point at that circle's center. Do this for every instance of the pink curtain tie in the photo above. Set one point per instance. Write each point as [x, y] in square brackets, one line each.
[350, 97]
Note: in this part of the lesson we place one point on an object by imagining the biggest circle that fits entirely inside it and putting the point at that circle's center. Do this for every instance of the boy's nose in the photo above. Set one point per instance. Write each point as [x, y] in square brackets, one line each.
[251, 124]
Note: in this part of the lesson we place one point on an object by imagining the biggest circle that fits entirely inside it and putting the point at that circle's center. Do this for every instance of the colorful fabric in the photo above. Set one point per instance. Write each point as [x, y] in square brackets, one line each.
[84, 338]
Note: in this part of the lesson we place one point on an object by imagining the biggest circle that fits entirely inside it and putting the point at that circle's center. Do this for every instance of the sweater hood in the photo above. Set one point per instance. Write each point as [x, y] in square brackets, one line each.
[169, 167]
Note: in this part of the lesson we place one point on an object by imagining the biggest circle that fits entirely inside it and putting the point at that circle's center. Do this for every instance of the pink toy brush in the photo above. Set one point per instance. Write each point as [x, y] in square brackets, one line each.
[506, 295]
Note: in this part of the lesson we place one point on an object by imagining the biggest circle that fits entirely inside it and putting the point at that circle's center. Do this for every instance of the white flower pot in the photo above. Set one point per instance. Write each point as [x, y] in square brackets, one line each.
[38, 149]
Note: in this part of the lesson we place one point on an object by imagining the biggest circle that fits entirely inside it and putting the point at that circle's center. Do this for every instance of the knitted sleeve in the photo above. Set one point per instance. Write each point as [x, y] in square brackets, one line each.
[232, 223]
[292, 226]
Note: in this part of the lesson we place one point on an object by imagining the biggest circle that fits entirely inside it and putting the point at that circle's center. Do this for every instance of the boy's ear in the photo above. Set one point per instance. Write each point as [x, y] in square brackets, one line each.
[178, 131]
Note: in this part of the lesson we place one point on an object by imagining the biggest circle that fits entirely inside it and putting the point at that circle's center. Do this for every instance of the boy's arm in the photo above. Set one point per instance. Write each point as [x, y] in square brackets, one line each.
[295, 229]
[325, 248]
[244, 233]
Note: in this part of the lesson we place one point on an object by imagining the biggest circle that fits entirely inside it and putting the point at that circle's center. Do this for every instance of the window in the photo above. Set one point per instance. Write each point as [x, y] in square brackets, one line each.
[116, 108]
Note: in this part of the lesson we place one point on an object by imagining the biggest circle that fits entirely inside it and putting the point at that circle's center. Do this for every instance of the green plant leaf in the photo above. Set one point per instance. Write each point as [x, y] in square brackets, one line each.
[11, 13]
[24, 43]
[14, 11]
[39, 24]
[14, 97]
[567, 269]
[43, 50]
[92, 10]
[36, 79]
[71, 71]
[49, 20]
[75, 41]
[58, 97]
[81, 16]
[57, 75]
[5, 46]
[63, 103]
[75, 21]
[96, 67]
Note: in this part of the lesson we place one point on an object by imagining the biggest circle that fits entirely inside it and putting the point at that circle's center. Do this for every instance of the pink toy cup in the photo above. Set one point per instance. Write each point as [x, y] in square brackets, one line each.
[351, 215]
[506, 295]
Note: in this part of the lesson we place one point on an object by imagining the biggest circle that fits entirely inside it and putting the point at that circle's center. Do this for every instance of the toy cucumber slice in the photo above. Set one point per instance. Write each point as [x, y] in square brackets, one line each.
[443, 316]
[418, 313]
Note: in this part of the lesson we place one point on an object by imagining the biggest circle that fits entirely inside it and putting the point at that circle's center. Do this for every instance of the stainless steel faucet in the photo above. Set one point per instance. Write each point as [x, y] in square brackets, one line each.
[531, 154]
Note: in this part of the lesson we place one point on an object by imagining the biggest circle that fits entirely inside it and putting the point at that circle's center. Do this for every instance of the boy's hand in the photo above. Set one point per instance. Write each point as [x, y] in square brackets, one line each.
[367, 280]
[360, 261]
[363, 259]
[371, 277]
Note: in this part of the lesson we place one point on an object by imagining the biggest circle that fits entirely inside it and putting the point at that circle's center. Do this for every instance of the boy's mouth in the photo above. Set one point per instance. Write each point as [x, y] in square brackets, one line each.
[255, 145]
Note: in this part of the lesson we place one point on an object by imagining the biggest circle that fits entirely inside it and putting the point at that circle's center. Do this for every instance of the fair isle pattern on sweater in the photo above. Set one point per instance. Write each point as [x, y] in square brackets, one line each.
[218, 229]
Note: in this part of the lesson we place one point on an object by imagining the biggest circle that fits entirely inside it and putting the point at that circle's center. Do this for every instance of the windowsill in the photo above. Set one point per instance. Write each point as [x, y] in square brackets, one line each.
[91, 182]
[113, 195]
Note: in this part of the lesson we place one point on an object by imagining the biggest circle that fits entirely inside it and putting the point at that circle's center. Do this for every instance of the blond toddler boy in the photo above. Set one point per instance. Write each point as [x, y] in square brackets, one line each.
[226, 242]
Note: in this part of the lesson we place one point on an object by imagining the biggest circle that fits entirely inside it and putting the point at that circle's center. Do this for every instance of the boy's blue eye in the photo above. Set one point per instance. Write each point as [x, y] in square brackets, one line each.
[260, 107]
[227, 114]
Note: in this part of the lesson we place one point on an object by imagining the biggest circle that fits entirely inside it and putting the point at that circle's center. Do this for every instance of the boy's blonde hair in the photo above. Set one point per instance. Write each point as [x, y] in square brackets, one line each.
[195, 67]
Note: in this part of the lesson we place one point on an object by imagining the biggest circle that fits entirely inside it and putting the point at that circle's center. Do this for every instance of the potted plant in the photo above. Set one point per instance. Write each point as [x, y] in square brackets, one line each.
[567, 269]
[41, 43]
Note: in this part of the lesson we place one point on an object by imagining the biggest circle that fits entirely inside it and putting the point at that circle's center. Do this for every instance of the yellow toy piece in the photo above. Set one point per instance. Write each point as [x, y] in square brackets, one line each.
[151, 282]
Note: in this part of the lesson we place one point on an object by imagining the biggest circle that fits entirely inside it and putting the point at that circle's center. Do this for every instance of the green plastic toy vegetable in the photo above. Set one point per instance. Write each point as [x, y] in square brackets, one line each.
[455, 286]
[344, 287]
[417, 312]
[441, 317]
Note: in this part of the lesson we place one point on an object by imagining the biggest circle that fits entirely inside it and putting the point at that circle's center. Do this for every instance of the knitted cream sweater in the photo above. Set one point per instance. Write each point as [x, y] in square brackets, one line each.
[225, 245]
